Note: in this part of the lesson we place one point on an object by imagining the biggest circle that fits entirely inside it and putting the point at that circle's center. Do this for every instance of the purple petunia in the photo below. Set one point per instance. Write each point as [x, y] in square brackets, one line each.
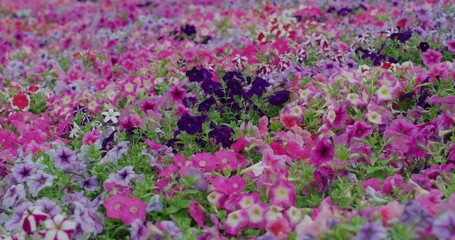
[13, 195]
[63, 157]
[444, 226]
[49, 207]
[372, 231]
[39, 181]
[23, 171]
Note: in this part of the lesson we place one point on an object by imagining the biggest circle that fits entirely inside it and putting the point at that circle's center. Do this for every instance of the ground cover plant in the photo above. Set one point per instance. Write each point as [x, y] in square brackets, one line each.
[202, 119]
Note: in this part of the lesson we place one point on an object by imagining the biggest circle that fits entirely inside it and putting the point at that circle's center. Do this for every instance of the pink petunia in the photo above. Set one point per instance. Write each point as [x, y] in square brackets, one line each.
[431, 57]
[282, 193]
[197, 213]
[235, 221]
[125, 208]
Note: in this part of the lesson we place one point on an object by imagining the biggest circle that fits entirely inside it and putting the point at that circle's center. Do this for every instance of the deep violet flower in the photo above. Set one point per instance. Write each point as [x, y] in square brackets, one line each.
[195, 75]
[188, 29]
[190, 124]
[279, 98]
[423, 46]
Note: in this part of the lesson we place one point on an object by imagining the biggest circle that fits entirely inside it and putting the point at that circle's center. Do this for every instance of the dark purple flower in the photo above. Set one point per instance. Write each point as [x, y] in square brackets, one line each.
[444, 226]
[279, 98]
[189, 101]
[423, 46]
[190, 124]
[372, 231]
[206, 104]
[39, 181]
[359, 130]
[210, 86]
[402, 36]
[63, 157]
[188, 29]
[195, 75]
[222, 135]
[23, 171]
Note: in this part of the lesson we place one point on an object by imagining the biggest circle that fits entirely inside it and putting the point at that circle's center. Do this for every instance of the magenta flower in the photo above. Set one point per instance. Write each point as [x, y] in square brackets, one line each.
[282, 193]
[323, 152]
[431, 57]
[125, 208]
[31, 219]
[197, 213]
[236, 221]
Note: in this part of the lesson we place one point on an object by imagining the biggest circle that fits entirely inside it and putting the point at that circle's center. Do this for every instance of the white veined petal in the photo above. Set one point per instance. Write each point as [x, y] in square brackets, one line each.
[50, 235]
[68, 225]
[61, 235]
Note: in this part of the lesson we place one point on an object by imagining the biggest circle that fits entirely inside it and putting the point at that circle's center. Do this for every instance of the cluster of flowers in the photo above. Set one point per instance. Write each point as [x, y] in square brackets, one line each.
[199, 119]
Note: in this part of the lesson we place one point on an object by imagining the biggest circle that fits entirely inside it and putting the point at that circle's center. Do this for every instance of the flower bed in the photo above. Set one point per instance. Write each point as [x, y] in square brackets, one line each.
[133, 119]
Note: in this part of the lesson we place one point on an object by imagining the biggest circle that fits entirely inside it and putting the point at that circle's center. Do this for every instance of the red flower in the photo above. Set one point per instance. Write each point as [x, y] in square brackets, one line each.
[21, 102]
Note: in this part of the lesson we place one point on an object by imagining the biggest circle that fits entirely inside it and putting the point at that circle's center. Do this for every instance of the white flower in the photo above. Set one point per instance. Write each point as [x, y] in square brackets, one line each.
[58, 227]
[110, 115]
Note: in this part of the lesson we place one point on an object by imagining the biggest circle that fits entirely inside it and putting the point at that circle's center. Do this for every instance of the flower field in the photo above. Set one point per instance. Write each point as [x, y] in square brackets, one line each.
[206, 119]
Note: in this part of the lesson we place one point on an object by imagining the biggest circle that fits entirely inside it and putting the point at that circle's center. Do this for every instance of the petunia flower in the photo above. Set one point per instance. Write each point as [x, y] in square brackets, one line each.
[155, 204]
[282, 193]
[444, 226]
[372, 231]
[63, 157]
[235, 221]
[31, 219]
[280, 228]
[197, 212]
[23, 171]
[323, 152]
[125, 208]
[20, 101]
[58, 228]
[39, 181]
[110, 115]
[246, 200]
[256, 215]
[431, 57]
[216, 198]
[293, 215]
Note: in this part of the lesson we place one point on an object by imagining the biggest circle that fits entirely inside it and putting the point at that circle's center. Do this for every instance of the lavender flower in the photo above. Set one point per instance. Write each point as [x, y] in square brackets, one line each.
[48, 206]
[13, 224]
[124, 176]
[39, 181]
[444, 226]
[199, 180]
[155, 204]
[13, 195]
[414, 214]
[116, 153]
[91, 184]
[169, 227]
[138, 230]
[372, 231]
[63, 157]
[23, 171]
